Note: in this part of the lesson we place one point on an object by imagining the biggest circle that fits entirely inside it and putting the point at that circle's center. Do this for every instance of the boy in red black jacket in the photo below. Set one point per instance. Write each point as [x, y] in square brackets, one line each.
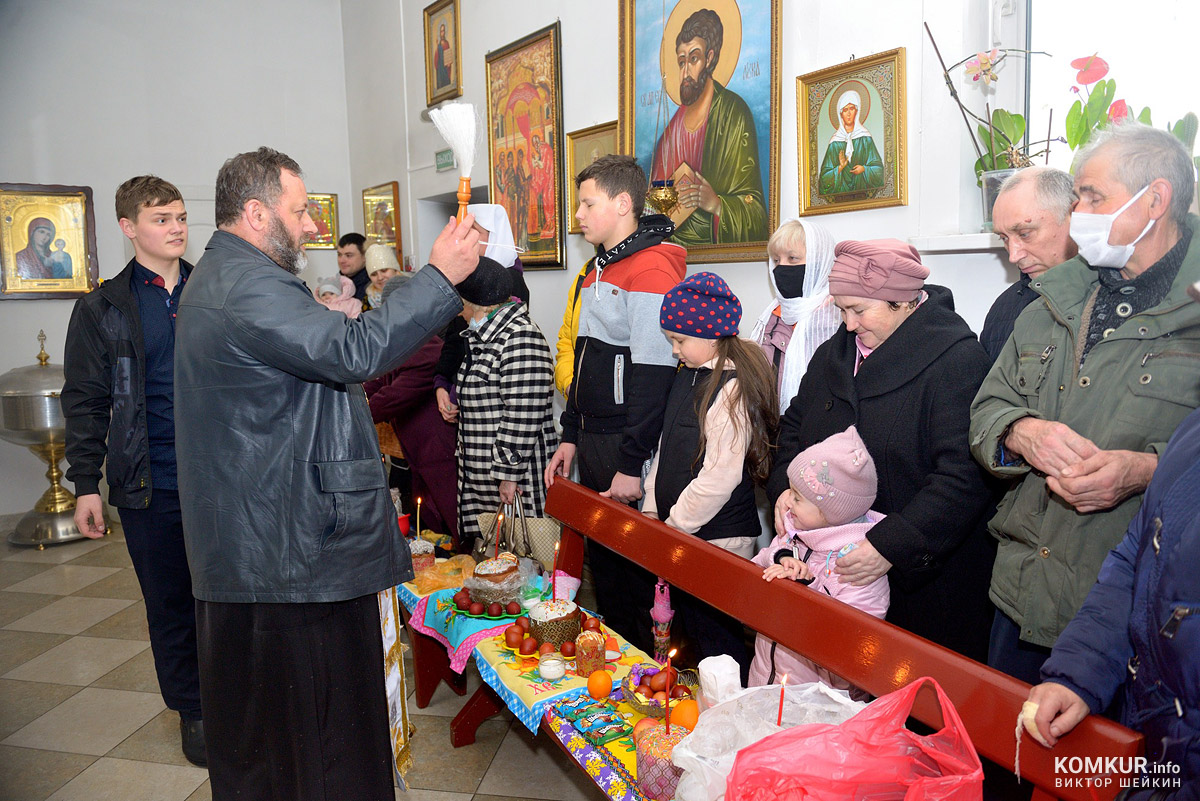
[623, 366]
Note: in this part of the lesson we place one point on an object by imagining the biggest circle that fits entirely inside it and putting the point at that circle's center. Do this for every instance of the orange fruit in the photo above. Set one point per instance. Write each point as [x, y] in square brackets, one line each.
[599, 684]
[685, 714]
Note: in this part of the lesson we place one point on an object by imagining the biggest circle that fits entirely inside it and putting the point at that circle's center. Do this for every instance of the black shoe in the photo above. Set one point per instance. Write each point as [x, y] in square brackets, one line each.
[191, 733]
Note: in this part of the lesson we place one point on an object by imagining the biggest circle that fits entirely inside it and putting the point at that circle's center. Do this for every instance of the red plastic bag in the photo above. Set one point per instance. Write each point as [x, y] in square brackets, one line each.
[870, 756]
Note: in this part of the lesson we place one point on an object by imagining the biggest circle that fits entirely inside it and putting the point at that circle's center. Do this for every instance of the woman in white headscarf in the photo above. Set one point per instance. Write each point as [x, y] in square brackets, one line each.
[802, 316]
[495, 231]
[852, 162]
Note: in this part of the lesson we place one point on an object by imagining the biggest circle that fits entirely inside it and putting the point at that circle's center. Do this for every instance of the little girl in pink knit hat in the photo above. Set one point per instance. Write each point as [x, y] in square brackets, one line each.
[833, 485]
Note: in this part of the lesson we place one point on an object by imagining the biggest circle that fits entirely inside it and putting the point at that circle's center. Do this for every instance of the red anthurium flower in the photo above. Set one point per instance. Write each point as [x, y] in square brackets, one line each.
[1118, 111]
[1091, 69]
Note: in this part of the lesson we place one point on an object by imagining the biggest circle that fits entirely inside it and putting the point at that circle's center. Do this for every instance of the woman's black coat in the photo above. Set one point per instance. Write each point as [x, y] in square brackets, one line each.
[911, 403]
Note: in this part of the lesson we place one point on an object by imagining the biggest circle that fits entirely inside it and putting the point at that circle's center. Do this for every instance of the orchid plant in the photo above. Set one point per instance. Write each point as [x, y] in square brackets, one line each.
[997, 135]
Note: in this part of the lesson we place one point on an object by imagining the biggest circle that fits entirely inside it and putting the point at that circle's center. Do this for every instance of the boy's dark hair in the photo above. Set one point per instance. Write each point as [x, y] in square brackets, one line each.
[352, 238]
[251, 176]
[616, 174]
[144, 190]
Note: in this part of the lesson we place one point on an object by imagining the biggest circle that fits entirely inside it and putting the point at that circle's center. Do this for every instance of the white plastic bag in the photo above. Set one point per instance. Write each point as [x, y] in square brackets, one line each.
[707, 754]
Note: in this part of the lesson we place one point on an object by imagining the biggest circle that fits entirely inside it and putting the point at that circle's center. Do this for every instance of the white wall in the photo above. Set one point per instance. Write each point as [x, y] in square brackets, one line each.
[384, 70]
[96, 92]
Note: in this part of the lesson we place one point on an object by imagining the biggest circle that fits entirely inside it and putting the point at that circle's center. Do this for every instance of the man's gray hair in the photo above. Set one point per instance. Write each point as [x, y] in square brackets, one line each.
[251, 176]
[1142, 154]
[1054, 189]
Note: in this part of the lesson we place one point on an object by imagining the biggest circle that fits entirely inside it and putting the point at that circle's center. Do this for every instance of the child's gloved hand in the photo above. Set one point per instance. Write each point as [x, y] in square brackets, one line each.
[789, 567]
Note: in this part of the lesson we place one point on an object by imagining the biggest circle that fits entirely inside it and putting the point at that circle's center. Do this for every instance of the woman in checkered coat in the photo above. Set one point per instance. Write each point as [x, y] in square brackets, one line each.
[505, 386]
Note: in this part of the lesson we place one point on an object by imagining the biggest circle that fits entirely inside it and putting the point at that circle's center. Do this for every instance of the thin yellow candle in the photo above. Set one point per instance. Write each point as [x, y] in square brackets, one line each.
[418, 515]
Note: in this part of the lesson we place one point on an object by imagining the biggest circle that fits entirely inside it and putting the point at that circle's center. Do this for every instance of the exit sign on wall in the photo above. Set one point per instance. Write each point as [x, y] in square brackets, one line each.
[444, 160]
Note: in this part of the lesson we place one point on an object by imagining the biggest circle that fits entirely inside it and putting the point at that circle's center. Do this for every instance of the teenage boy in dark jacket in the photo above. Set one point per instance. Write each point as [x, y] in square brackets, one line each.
[623, 367]
[118, 401]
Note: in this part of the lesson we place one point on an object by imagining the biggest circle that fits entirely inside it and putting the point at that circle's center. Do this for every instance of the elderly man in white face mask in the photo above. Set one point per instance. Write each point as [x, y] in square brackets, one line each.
[852, 162]
[1096, 376]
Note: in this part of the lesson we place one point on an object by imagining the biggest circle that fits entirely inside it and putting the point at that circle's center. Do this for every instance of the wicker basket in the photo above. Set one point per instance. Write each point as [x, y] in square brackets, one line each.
[389, 445]
[654, 709]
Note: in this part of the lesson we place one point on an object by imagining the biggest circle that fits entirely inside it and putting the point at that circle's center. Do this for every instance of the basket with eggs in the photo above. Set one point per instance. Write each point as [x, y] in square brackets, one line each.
[646, 688]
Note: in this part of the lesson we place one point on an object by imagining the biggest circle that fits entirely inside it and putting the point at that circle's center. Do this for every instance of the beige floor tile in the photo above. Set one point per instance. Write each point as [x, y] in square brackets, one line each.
[27, 774]
[413, 794]
[137, 675]
[113, 554]
[433, 755]
[93, 721]
[63, 579]
[122, 584]
[69, 615]
[528, 766]
[128, 624]
[203, 793]
[18, 647]
[157, 741]
[55, 554]
[124, 780]
[22, 702]
[14, 605]
[14, 572]
[79, 660]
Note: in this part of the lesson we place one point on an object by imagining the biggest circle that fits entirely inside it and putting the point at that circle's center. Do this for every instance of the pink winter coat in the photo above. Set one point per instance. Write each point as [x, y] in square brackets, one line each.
[346, 302]
[772, 660]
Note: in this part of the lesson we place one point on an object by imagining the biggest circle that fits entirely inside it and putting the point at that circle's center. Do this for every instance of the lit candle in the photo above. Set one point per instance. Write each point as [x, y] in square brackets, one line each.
[499, 526]
[779, 719]
[418, 515]
[554, 574]
[669, 655]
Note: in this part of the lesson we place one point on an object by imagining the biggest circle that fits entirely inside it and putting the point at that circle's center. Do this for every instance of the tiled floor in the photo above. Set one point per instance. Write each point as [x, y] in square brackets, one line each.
[81, 717]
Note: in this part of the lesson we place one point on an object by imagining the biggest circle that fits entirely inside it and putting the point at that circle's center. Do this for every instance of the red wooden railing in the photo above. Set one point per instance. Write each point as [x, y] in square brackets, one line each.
[871, 653]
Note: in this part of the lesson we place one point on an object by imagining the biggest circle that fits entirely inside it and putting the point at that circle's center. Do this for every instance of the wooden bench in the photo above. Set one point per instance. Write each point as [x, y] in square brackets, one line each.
[871, 653]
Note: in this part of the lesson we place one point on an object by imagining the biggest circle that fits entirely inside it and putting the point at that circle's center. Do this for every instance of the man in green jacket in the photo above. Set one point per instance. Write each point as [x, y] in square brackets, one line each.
[1089, 387]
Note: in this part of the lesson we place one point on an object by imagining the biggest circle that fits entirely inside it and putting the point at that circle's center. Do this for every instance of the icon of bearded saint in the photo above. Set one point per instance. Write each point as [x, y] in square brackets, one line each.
[34, 261]
[710, 147]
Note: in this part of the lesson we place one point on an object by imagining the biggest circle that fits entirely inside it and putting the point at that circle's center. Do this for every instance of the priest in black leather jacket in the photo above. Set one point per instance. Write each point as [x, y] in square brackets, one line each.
[279, 468]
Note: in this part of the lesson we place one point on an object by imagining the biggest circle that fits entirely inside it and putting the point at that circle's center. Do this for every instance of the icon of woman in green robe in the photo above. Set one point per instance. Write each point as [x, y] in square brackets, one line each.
[852, 162]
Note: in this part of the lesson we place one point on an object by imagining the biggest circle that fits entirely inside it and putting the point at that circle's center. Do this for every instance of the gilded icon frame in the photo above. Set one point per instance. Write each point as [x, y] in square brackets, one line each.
[823, 190]
[66, 267]
[435, 15]
[524, 107]
[605, 140]
[383, 229]
[326, 220]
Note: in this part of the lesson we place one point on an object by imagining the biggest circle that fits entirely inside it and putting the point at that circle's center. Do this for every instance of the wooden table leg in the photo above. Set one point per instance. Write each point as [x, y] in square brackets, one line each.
[431, 665]
[478, 708]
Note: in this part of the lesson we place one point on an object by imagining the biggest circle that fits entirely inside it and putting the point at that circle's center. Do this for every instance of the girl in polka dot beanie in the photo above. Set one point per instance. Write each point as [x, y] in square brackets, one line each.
[721, 416]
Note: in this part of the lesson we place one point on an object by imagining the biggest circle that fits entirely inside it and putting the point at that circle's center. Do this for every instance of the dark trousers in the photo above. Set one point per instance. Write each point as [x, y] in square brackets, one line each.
[710, 631]
[154, 536]
[624, 591]
[295, 703]
[1008, 654]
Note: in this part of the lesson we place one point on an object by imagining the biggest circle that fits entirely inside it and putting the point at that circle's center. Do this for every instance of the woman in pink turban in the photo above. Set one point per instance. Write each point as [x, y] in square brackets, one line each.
[903, 368]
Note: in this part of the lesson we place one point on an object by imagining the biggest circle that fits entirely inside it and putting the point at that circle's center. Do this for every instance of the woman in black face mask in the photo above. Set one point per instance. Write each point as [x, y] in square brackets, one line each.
[793, 326]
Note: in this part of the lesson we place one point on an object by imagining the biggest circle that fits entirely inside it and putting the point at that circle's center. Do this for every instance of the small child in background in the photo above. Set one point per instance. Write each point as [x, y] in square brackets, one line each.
[833, 485]
[337, 294]
[720, 420]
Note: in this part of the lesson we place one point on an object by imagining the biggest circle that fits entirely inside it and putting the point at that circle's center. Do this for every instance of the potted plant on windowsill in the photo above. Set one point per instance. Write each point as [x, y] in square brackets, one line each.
[998, 136]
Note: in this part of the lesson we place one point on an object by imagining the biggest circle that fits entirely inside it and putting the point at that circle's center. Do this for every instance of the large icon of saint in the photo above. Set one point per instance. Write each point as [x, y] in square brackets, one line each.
[710, 146]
